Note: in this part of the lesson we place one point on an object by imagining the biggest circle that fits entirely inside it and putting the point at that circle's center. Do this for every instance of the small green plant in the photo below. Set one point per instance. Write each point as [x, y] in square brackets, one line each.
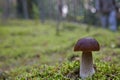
[36, 12]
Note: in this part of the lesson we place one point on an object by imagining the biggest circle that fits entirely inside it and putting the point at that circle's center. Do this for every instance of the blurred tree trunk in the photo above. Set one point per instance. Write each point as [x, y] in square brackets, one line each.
[59, 16]
[19, 8]
[30, 4]
[12, 8]
[25, 9]
[74, 9]
[41, 10]
[50, 8]
[6, 11]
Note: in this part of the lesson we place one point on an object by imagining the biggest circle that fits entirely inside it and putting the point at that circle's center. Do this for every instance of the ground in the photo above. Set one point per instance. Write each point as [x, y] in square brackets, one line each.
[32, 50]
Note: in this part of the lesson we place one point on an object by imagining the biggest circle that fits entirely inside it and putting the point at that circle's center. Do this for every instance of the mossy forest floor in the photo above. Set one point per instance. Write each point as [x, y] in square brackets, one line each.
[30, 50]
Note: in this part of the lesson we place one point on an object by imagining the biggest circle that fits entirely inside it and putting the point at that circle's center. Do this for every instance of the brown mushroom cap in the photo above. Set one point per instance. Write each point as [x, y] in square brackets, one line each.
[87, 44]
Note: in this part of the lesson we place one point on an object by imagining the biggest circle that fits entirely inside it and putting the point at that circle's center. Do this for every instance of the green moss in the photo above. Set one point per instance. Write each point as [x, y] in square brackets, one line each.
[66, 71]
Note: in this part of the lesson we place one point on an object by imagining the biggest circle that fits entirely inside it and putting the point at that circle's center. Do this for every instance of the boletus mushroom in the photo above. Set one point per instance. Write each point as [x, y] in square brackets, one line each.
[86, 45]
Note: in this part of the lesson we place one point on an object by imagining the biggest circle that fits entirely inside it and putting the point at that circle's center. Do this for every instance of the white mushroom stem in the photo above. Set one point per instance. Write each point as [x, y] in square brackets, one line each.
[86, 67]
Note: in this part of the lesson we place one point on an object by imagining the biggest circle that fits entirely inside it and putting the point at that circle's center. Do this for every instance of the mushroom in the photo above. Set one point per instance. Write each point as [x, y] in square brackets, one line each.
[87, 45]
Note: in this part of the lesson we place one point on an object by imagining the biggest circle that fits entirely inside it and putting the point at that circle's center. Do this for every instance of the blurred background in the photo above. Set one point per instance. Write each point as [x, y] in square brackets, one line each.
[37, 32]
[78, 10]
